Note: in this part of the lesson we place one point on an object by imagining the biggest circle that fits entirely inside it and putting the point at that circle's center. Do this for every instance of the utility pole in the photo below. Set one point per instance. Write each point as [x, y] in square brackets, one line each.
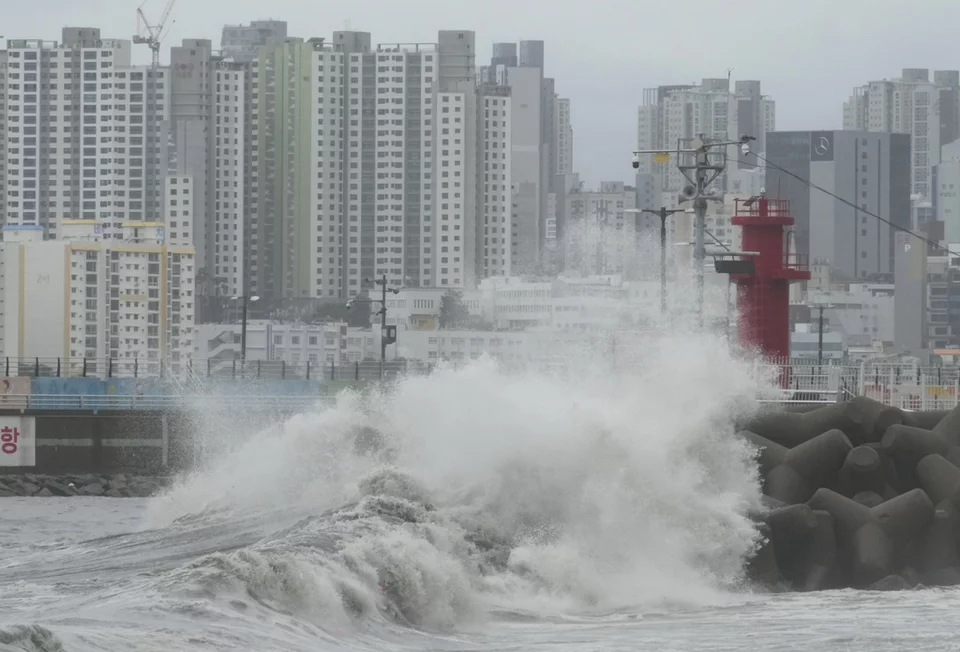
[820, 339]
[601, 230]
[663, 213]
[382, 282]
[387, 335]
[243, 325]
[243, 333]
[701, 161]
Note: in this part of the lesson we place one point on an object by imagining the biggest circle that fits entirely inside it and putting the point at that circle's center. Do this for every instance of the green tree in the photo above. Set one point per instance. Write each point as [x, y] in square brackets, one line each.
[453, 311]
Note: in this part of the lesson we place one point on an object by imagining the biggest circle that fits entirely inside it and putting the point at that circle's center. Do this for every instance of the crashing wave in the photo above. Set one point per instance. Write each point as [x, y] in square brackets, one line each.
[29, 638]
[472, 490]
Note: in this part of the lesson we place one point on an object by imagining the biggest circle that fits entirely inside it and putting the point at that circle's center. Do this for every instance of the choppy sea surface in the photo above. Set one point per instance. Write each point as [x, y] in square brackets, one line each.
[469, 510]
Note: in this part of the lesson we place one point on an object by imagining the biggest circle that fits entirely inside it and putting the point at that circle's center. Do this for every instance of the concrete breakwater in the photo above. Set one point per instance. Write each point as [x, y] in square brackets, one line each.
[88, 484]
[858, 494]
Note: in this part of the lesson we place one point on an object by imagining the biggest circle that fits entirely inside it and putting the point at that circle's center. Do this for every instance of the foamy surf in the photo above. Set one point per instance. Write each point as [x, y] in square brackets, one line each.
[474, 491]
[469, 510]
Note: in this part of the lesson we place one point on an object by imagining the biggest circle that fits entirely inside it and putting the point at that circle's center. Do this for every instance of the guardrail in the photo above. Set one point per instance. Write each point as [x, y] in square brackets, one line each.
[96, 403]
[901, 385]
[801, 374]
[195, 370]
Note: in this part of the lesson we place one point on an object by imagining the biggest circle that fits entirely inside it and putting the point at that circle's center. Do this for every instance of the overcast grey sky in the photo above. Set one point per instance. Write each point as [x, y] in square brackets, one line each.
[809, 54]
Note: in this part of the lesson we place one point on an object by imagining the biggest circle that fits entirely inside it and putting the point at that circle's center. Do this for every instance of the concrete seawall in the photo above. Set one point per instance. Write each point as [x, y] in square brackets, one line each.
[109, 441]
[858, 494]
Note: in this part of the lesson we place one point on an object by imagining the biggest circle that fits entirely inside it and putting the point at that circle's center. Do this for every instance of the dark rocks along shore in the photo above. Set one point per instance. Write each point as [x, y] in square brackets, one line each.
[119, 485]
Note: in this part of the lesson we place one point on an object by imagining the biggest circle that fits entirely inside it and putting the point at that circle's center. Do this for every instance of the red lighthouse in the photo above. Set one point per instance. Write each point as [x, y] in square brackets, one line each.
[763, 296]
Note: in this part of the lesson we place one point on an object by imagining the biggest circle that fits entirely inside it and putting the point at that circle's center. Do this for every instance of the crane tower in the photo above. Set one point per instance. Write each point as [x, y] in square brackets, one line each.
[152, 35]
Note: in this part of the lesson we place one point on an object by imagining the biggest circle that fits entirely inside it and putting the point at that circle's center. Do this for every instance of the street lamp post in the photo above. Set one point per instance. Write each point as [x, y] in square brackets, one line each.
[663, 213]
[382, 282]
[243, 325]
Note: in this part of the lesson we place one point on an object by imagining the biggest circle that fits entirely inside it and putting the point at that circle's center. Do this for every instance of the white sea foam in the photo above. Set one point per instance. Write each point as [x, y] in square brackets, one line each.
[582, 491]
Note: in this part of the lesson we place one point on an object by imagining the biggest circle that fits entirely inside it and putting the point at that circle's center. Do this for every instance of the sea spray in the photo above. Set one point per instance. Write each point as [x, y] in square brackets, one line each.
[585, 490]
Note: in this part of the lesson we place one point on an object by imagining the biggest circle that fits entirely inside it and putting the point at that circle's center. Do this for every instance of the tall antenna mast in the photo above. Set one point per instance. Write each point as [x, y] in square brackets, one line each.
[701, 160]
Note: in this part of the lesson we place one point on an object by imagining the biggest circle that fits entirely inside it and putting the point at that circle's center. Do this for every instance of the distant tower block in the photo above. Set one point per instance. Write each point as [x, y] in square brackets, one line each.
[763, 297]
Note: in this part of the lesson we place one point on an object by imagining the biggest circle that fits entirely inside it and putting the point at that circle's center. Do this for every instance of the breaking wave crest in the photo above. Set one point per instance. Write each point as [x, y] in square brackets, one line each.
[29, 638]
[446, 498]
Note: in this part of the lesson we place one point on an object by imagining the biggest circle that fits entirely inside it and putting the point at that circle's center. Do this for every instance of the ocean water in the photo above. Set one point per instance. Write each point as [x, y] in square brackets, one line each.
[469, 510]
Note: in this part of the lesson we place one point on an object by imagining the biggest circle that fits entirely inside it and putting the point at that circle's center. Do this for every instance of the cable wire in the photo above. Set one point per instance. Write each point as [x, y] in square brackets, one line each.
[935, 245]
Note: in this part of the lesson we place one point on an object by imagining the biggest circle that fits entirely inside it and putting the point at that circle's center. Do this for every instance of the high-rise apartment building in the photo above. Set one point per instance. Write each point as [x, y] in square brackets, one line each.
[300, 99]
[670, 114]
[191, 115]
[946, 191]
[869, 170]
[494, 196]
[336, 161]
[527, 168]
[232, 267]
[3, 136]
[87, 133]
[562, 127]
[542, 145]
[243, 42]
[928, 111]
[602, 237]
[83, 297]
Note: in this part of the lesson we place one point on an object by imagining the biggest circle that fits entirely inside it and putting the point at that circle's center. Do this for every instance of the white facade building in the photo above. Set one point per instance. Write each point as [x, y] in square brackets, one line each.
[805, 343]
[563, 130]
[180, 202]
[511, 303]
[3, 137]
[296, 343]
[914, 105]
[672, 113]
[454, 217]
[601, 237]
[233, 177]
[101, 151]
[494, 139]
[862, 312]
[379, 184]
[82, 296]
[947, 191]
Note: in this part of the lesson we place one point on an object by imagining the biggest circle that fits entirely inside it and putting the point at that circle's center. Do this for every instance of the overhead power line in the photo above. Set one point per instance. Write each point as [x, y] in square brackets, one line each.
[807, 182]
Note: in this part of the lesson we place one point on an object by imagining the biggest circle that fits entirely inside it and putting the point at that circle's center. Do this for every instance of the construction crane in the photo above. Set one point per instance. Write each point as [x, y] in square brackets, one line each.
[152, 35]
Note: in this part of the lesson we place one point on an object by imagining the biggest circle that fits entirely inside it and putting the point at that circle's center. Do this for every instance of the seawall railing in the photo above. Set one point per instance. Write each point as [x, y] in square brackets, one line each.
[193, 373]
[906, 386]
[105, 403]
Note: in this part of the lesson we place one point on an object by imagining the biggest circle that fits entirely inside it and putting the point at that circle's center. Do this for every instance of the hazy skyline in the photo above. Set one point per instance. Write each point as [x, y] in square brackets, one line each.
[808, 55]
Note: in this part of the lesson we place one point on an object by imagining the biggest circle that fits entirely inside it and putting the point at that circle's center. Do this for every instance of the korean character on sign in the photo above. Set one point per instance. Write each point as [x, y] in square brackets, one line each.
[8, 439]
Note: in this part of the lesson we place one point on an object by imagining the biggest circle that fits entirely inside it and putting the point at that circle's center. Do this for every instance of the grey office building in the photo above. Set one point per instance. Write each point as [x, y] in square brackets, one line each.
[870, 170]
[910, 292]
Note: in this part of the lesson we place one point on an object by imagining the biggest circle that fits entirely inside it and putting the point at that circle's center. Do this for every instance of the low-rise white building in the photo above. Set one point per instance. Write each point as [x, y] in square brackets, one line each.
[805, 343]
[296, 343]
[863, 313]
[83, 297]
[601, 237]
